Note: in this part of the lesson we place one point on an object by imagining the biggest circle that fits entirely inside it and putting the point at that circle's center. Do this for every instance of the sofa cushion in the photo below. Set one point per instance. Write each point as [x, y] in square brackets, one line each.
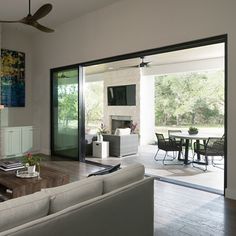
[122, 177]
[24, 209]
[120, 132]
[74, 193]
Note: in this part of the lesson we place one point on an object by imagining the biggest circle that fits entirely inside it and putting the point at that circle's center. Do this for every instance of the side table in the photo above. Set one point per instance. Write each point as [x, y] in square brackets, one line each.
[100, 149]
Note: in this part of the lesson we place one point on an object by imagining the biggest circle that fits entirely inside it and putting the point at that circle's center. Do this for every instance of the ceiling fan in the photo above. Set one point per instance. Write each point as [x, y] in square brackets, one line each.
[142, 64]
[32, 20]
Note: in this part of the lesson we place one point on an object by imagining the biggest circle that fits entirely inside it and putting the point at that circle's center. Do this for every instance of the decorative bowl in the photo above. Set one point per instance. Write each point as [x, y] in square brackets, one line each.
[193, 132]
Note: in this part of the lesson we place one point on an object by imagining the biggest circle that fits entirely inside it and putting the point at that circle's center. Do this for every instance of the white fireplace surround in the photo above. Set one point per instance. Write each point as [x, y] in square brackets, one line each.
[121, 117]
[116, 118]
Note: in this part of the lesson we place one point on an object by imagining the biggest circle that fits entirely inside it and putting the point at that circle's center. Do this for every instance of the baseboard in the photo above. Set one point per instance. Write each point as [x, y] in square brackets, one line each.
[45, 151]
[230, 193]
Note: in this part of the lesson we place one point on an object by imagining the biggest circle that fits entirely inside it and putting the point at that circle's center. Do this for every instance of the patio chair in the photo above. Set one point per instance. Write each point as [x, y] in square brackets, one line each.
[173, 131]
[213, 147]
[183, 141]
[222, 144]
[167, 145]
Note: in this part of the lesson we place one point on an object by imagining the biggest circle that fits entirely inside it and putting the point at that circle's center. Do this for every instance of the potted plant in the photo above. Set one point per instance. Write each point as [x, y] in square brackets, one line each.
[133, 127]
[102, 130]
[30, 162]
[193, 130]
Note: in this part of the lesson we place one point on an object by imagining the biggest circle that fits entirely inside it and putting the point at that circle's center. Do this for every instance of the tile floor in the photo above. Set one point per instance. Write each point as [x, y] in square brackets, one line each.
[212, 179]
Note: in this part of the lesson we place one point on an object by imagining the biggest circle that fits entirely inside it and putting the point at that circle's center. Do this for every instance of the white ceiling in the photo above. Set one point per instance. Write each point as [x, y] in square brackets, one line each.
[62, 12]
[186, 55]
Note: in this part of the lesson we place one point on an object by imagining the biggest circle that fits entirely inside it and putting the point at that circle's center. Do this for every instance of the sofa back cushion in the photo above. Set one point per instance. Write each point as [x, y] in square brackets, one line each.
[122, 131]
[122, 177]
[21, 210]
[74, 193]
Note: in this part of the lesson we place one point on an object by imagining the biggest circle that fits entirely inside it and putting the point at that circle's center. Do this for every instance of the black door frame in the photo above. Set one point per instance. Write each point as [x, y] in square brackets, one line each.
[176, 47]
[81, 119]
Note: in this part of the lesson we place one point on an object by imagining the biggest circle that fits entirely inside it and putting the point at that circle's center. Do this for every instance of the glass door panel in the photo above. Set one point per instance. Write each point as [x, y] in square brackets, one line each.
[65, 125]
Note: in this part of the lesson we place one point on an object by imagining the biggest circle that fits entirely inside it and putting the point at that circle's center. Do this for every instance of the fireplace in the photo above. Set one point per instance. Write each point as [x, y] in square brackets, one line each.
[120, 122]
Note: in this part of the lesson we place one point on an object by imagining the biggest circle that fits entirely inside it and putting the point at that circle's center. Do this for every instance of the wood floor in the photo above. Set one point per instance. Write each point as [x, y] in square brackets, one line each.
[178, 210]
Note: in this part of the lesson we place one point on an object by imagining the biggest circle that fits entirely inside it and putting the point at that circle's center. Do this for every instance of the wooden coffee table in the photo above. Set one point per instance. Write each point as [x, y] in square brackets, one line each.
[13, 187]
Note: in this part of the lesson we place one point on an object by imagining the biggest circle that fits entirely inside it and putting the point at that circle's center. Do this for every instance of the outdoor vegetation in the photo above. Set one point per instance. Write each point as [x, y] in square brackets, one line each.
[67, 104]
[68, 99]
[190, 99]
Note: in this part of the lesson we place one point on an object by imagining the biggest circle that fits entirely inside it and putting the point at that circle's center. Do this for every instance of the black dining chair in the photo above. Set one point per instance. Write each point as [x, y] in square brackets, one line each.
[167, 145]
[211, 148]
[174, 131]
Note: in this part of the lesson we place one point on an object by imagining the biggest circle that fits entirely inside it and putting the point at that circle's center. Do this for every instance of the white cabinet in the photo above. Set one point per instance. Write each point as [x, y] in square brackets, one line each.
[16, 141]
[11, 141]
[36, 140]
[26, 139]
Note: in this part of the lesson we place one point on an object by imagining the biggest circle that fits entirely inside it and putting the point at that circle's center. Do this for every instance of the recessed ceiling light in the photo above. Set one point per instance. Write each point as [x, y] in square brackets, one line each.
[110, 68]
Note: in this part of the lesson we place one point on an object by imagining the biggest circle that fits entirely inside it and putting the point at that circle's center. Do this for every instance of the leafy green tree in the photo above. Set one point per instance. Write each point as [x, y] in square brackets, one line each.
[190, 98]
[67, 103]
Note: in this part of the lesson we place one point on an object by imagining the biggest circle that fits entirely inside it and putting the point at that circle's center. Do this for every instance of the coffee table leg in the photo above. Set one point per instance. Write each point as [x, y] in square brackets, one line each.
[186, 152]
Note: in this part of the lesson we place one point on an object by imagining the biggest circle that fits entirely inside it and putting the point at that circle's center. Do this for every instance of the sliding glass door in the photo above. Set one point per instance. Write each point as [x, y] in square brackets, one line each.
[65, 113]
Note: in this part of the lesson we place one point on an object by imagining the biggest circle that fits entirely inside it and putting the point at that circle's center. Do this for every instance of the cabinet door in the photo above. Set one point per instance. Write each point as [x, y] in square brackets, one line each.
[27, 139]
[36, 139]
[12, 144]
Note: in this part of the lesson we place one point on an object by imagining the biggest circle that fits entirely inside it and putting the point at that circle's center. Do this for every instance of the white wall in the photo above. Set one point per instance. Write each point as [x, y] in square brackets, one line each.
[130, 26]
[147, 109]
[17, 41]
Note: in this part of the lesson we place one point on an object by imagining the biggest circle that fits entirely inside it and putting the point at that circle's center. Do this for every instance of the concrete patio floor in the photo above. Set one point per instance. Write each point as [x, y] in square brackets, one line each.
[212, 179]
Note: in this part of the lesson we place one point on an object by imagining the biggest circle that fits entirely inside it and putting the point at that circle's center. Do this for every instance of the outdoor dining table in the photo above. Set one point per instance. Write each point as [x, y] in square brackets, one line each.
[187, 137]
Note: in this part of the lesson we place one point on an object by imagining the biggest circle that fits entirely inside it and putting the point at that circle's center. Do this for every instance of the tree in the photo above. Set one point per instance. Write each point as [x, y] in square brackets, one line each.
[190, 98]
[67, 103]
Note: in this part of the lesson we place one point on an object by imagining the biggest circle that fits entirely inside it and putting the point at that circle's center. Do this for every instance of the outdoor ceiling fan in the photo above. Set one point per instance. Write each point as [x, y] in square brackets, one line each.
[142, 64]
[32, 20]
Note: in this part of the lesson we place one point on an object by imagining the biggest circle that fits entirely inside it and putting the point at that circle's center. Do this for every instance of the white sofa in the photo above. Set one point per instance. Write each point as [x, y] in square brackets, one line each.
[117, 204]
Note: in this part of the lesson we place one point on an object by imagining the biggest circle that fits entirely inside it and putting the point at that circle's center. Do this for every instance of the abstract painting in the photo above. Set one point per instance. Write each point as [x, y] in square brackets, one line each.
[12, 78]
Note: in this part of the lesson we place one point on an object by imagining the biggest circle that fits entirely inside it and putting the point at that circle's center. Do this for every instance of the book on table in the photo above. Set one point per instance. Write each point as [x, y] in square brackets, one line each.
[8, 165]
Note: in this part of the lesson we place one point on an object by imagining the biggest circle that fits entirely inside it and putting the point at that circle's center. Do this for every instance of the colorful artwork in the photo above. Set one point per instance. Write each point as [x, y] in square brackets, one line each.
[12, 78]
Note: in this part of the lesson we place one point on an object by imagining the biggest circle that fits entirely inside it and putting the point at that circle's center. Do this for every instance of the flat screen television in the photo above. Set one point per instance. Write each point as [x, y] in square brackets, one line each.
[124, 95]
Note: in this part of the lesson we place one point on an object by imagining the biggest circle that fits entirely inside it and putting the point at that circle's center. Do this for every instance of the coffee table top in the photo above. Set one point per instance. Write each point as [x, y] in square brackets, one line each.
[19, 187]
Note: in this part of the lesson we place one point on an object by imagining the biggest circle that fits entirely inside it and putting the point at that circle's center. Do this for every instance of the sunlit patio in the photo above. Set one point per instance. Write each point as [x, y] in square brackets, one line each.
[212, 179]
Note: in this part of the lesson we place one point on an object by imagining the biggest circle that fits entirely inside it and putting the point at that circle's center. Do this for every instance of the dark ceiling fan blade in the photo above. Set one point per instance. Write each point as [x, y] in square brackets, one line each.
[10, 21]
[42, 11]
[41, 27]
[126, 67]
[32, 20]
[145, 64]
